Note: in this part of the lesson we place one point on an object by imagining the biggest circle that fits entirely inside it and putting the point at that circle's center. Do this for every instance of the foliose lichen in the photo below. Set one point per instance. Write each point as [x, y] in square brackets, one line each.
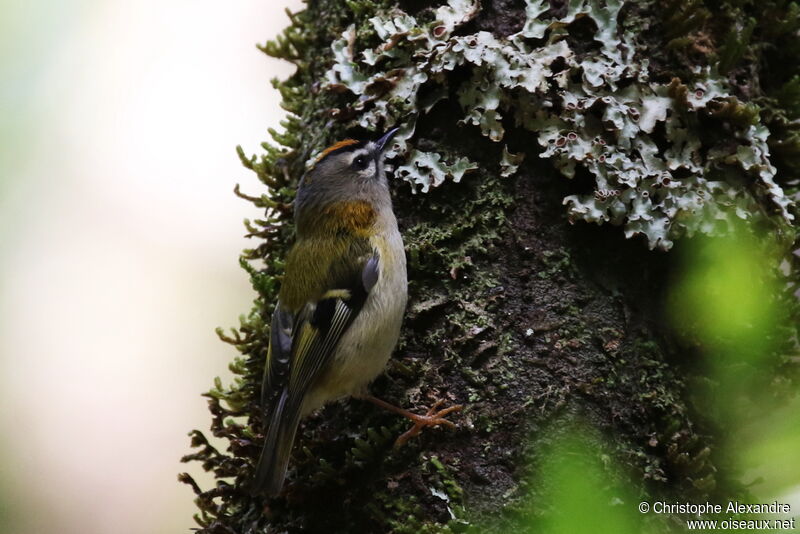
[595, 110]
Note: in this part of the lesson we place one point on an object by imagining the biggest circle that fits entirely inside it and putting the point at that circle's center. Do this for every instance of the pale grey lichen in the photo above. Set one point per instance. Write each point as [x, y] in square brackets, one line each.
[594, 112]
[509, 163]
[428, 165]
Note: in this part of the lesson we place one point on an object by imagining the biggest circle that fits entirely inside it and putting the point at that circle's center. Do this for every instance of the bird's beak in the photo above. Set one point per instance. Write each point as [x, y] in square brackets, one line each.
[382, 143]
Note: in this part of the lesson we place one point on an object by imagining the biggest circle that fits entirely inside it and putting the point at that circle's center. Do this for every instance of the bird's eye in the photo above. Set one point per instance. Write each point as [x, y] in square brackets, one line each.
[360, 162]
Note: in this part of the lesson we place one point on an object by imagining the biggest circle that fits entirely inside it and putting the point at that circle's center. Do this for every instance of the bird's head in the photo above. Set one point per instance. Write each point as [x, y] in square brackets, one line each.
[348, 173]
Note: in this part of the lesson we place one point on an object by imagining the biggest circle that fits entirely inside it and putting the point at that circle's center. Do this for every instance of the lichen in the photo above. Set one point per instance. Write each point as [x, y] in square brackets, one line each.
[596, 111]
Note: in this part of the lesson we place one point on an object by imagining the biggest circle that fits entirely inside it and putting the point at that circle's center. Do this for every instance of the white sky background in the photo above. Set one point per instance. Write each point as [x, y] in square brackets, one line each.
[119, 244]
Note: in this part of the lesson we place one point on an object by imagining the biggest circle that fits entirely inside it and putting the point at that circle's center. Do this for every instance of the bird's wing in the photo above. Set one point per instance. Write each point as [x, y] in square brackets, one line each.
[308, 322]
[302, 342]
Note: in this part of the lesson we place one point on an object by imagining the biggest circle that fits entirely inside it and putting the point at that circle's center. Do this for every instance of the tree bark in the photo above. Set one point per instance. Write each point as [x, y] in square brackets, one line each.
[527, 320]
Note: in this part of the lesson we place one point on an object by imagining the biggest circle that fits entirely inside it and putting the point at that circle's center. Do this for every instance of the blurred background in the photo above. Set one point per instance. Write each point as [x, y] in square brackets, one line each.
[119, 244]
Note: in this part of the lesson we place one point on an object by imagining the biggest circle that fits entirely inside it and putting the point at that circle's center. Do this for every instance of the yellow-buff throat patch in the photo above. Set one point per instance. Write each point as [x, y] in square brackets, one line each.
[355, 216]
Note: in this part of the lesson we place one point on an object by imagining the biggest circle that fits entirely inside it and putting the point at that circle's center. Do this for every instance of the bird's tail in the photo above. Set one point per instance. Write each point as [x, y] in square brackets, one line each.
[274, 460]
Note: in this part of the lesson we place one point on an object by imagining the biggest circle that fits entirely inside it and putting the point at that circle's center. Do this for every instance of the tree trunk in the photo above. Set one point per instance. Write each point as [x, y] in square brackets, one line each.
[527, 320]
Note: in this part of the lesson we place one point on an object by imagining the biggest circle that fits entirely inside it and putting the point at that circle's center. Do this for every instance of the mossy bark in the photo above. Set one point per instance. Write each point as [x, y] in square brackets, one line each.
[524, 319]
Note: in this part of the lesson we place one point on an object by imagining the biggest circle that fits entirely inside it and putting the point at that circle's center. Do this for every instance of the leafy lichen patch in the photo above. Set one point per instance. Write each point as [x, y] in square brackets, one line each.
[595, 109]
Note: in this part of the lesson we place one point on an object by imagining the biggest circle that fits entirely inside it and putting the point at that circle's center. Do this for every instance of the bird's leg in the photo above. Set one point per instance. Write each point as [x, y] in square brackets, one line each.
[432, 418]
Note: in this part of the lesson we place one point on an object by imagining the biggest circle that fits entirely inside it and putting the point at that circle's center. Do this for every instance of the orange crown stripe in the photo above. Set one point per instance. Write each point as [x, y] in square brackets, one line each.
[341, 144]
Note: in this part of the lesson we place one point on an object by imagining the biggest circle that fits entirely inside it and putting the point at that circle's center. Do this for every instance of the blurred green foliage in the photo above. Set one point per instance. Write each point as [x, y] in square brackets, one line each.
[731, 300]
[725, 299]
[582, 496]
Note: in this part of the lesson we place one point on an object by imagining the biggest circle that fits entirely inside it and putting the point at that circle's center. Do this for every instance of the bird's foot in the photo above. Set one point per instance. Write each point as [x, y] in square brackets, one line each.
[434, 417]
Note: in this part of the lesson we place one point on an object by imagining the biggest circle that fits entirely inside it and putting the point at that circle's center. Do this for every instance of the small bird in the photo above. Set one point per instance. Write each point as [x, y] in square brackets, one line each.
[341, 301]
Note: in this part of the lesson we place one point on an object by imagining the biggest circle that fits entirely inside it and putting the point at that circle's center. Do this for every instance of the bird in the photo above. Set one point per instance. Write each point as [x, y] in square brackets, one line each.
[341, 301]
